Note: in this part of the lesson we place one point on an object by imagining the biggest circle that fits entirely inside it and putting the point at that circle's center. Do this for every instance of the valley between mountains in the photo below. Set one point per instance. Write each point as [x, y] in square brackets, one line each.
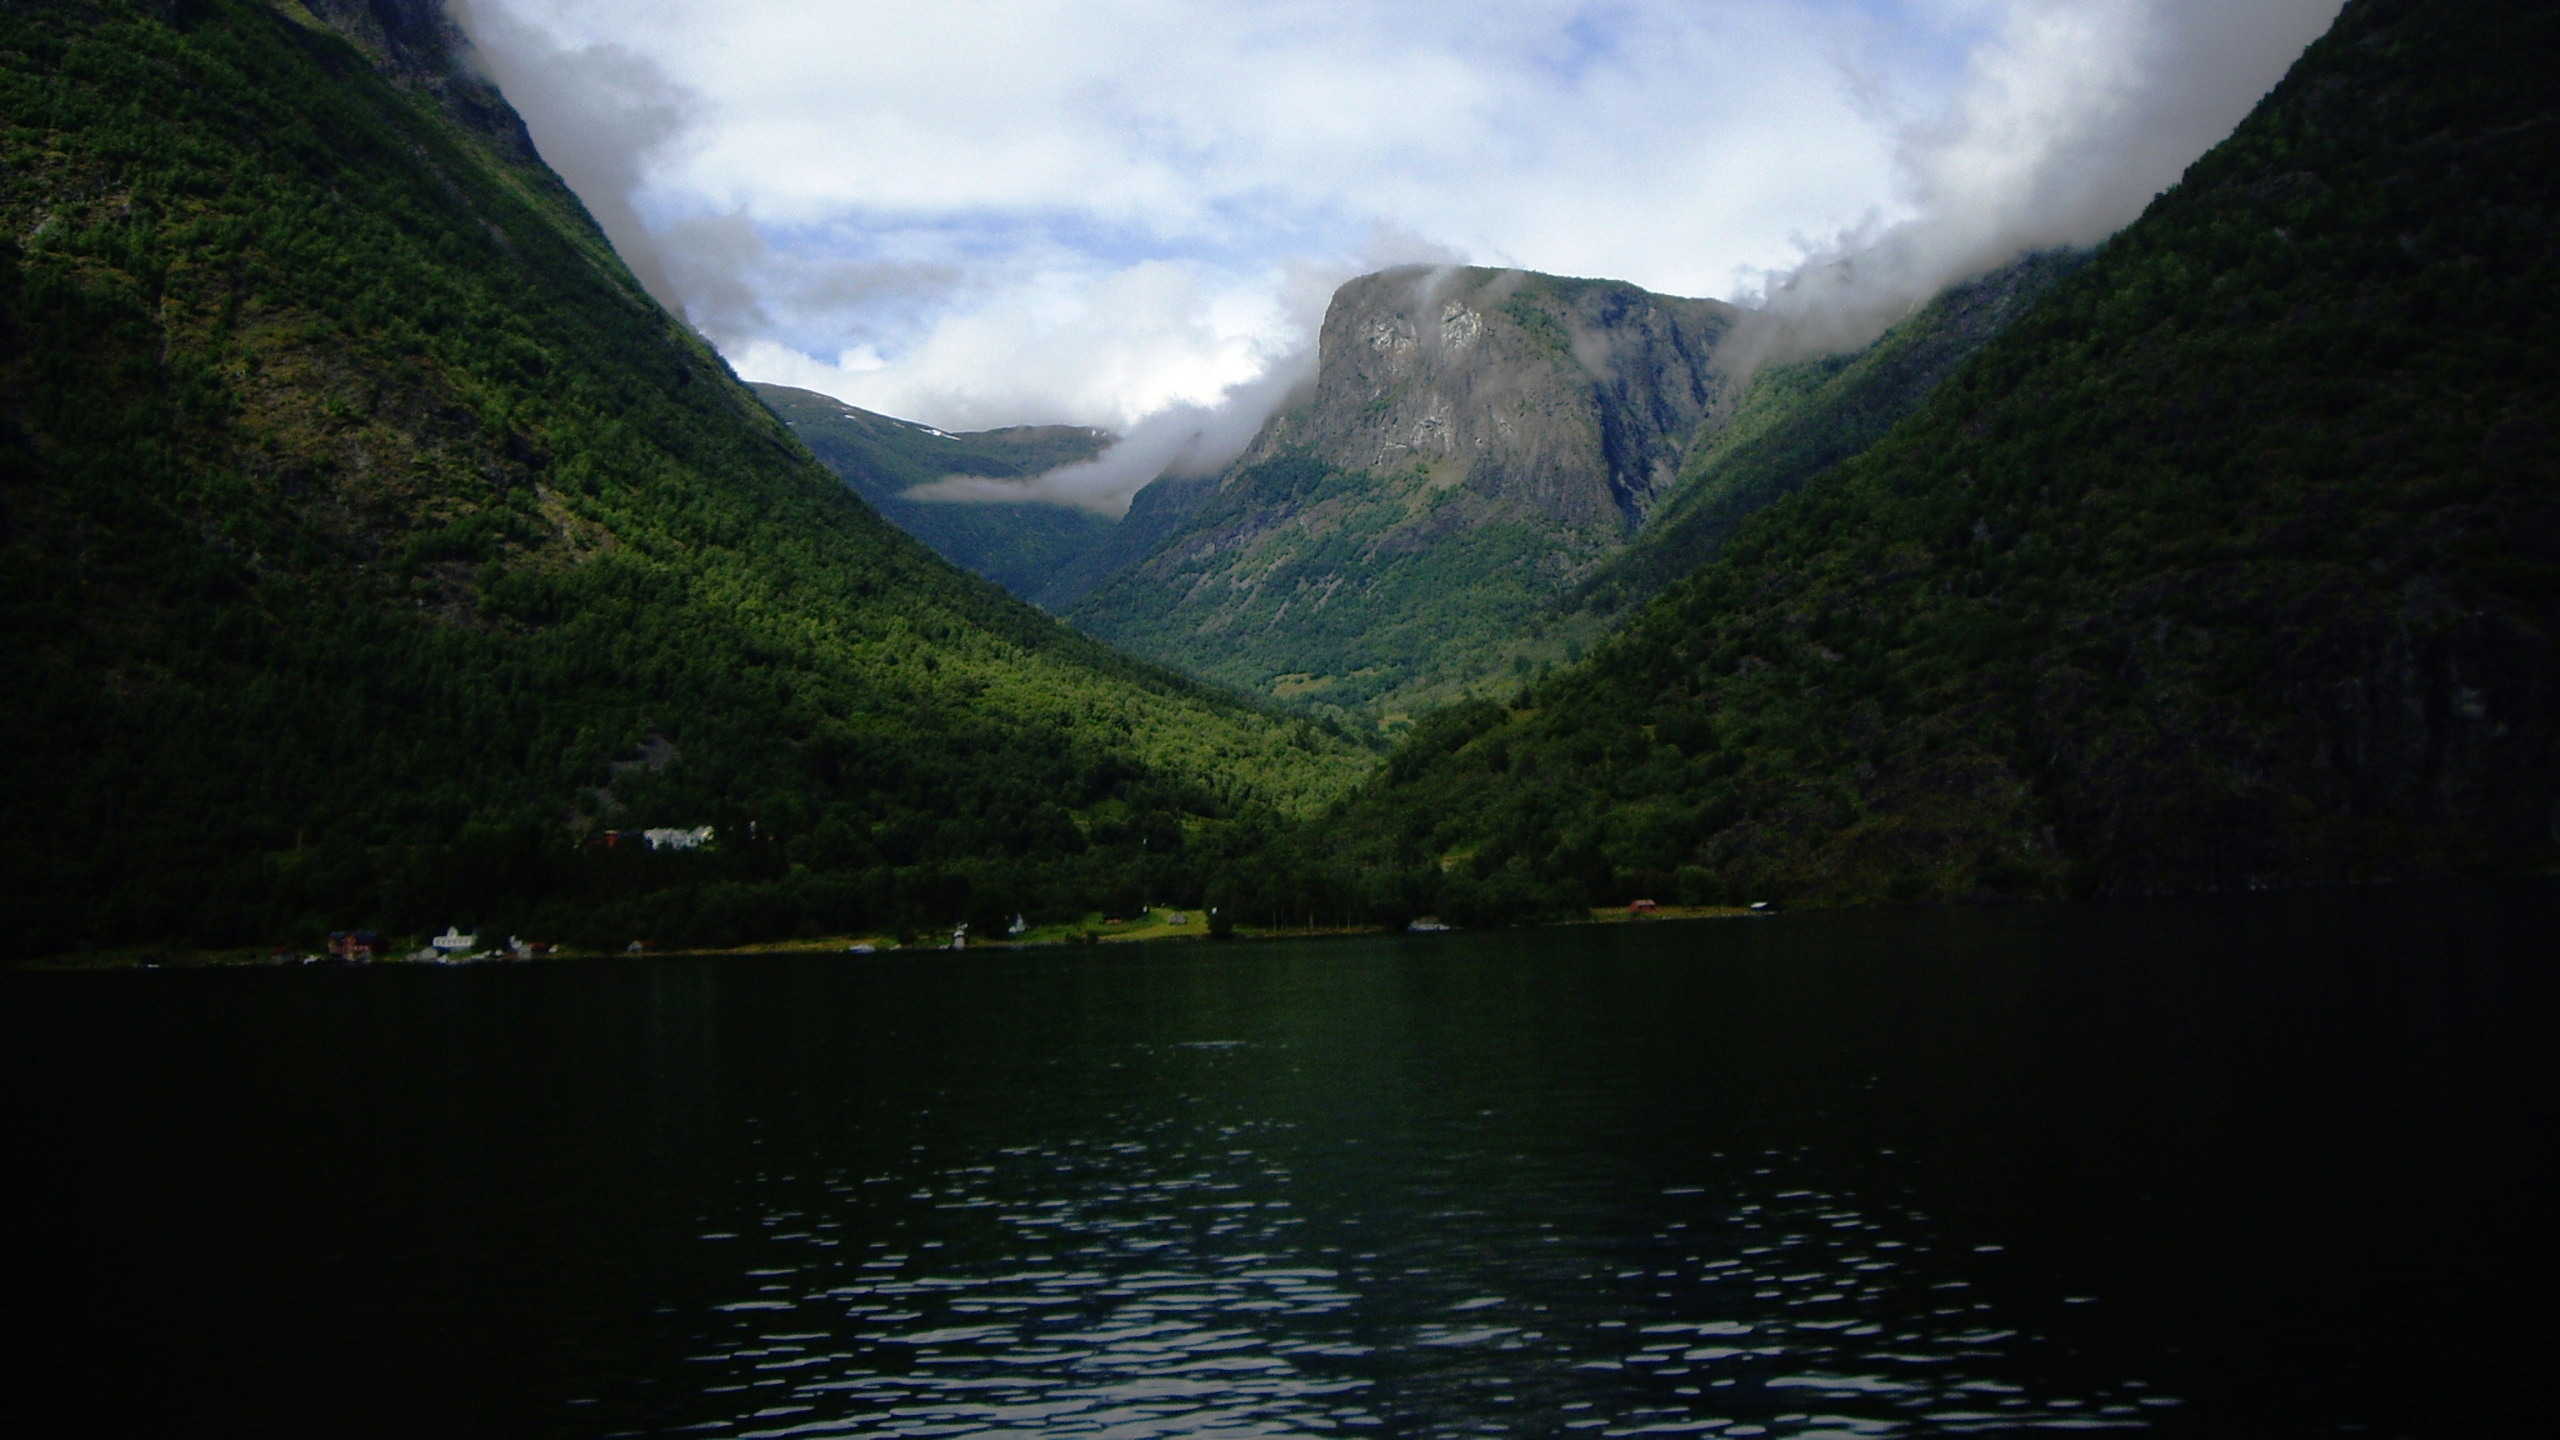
[378, 555]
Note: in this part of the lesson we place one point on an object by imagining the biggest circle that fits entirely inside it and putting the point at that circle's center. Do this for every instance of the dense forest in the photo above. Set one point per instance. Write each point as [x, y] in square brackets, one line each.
[1022, 547]
[1802, 416]
[374, 552]
[371, 546]
[2235, 562]
[1383, 550]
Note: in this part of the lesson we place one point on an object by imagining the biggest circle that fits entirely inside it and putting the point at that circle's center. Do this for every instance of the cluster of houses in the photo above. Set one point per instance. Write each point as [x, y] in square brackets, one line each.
[453, 947]
[662, 838]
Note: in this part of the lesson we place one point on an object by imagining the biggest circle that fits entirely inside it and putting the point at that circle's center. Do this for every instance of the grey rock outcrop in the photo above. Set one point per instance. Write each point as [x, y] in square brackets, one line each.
[1571, 401]
[1476, 441]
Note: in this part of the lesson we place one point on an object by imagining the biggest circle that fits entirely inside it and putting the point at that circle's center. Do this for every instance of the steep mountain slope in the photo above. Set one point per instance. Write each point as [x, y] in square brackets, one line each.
[1021, 547]
[1476, 442]
[1156, 514]
[1800, 418]
[367, 532]
[2236, 562]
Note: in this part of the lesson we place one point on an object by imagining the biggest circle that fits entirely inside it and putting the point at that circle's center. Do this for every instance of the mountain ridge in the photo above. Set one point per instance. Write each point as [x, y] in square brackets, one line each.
[2233, 563]
[1800, 417]
[369, 533]
[1476, 441]
[1022, 546]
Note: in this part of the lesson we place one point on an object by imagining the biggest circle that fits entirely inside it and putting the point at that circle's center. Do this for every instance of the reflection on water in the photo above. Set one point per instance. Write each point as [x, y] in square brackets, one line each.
[2263, 1166]
[1162, 1272]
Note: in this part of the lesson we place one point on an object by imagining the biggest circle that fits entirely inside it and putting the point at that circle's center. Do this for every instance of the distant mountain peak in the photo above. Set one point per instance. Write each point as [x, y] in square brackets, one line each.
[2233, 563]
[1566, 402]
[884, 459]
[1476, 441]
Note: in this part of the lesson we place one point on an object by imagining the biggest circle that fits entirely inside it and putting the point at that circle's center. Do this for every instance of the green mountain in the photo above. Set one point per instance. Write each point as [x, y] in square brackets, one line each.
[367, 534]
[2235, 562]
[1457, 510]
[1476, 443]
[1050, 555]
[1022, 547]
[1157, 513]
[1800, 418]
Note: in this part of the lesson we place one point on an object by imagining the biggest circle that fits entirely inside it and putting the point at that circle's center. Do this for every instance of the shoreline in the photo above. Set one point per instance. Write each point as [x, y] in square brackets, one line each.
[1150, 931]
[1065, 937]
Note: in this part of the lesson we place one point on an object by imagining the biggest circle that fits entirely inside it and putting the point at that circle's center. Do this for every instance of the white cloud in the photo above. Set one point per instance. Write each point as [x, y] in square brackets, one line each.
[2074, 114]
[985, 212]
[1197, 433]
[598, 112]
[1100, 349]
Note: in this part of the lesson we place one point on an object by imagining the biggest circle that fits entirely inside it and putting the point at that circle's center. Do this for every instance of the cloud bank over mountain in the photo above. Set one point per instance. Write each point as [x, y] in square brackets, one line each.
[1126, 213]
[2073, 114]
[1191, 437]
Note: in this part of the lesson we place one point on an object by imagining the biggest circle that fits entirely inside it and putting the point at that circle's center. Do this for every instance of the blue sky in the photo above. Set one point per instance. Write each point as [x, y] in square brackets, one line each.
[986, 212]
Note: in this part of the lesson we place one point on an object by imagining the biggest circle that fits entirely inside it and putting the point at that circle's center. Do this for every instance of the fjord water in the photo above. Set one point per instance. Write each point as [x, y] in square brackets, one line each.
[2258, 1165]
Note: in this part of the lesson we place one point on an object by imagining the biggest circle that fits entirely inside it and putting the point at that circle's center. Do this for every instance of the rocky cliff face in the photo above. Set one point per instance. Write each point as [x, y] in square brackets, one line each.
[1567, 402]
[417, 46]
[1475, 443]
[1803, 417]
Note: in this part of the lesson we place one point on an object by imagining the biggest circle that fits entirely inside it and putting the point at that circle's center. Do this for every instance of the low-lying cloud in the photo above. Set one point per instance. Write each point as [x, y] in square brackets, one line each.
[1202, 437]
[598, 112]
[975, 214]
[2074, 115]
[1182, 439]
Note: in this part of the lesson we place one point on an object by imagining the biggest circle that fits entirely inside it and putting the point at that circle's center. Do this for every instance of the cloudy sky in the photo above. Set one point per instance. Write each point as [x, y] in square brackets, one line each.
[1128, 213]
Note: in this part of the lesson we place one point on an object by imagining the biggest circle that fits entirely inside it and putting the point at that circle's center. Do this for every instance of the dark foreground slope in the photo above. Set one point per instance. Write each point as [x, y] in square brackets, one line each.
[1022, 547]
[2236, 562]
[1800, 418]
[367, 534]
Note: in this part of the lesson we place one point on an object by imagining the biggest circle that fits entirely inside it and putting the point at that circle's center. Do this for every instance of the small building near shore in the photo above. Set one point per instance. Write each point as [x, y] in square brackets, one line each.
[355, 944]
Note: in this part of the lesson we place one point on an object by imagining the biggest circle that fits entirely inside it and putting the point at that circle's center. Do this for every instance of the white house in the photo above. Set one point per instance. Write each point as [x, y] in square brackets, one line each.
[454, 942]
[669, 839]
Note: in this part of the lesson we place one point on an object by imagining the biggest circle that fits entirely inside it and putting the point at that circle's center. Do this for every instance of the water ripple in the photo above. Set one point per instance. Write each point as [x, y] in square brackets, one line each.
[1150, 1280]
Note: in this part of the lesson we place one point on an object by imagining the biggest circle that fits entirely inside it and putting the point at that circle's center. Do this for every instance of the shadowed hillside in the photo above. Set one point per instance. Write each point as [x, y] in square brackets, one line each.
[368, 537]
[1800, 418]
[1021, 547]
[2235, 562]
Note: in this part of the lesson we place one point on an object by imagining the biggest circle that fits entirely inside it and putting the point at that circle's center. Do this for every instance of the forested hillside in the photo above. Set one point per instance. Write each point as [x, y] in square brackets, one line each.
[1022, 547]
[1477, 441]
[368, 538]
[1801, 417]
[1156, 514]
[2235, 562]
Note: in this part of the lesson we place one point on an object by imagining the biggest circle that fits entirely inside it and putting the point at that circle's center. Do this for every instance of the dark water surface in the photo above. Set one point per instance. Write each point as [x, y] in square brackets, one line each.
[2251, 1166]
